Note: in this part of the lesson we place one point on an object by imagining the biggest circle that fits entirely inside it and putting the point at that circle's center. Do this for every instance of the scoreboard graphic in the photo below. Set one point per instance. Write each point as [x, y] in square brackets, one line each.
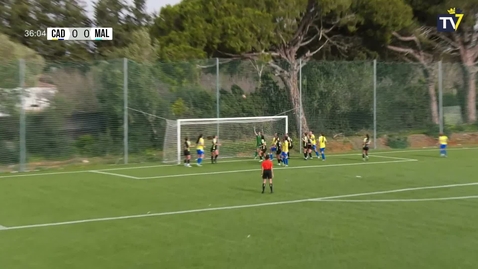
[80, 34]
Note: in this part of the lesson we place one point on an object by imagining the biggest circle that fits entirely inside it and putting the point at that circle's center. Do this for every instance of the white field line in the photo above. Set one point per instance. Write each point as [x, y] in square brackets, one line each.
[393, 158]
[232, 207]
[27, 174]
[279, 168]
[401, 200]
[395, 191]
[3, 227]
[153, 166]
[113, 174]
[165, 165]
[103, 171]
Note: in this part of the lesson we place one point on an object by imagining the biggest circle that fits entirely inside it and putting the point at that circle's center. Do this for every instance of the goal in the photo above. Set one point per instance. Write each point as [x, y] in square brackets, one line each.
[235, 135]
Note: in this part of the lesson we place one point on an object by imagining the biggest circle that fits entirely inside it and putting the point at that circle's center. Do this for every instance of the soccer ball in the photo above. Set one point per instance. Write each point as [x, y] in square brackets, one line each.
[244, 96]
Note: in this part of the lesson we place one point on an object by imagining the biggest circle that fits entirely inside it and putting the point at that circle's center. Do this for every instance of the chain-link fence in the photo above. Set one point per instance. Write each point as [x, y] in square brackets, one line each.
[53, 114]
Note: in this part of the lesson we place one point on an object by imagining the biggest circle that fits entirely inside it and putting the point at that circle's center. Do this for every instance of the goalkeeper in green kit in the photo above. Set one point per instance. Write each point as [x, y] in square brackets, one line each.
[258, 142]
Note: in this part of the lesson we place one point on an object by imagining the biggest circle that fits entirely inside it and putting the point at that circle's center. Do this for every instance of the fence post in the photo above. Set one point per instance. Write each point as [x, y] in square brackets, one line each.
[22, 146]
[375, 103]
[125, 108]
[440, 95]
[300, 99]
[218, 114]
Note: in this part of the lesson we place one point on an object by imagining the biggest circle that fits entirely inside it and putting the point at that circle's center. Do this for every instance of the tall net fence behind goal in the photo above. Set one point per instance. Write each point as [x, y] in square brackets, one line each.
[235, 135]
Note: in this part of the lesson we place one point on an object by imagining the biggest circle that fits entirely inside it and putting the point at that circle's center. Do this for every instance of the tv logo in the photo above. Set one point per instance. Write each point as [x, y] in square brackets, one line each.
[449, 22]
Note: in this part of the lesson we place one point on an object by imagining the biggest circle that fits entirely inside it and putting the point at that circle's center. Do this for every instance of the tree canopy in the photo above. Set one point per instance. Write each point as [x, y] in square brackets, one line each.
[284, 32]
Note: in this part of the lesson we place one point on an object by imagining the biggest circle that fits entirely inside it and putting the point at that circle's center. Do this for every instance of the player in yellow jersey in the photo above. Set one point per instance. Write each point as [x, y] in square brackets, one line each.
[200, 149]
[443, 140]
[285, 150]
[322, 145]
[314, 144]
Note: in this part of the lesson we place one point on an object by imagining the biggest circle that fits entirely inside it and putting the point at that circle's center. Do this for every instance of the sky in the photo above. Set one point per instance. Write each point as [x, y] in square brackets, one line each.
[152, 5]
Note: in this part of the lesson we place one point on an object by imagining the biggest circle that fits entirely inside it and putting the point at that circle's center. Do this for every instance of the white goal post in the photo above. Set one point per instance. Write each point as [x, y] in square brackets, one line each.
[235, 135]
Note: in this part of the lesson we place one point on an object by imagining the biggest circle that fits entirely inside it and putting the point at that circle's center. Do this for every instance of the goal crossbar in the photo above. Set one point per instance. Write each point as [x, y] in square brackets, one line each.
[203, 121]
[229, 120]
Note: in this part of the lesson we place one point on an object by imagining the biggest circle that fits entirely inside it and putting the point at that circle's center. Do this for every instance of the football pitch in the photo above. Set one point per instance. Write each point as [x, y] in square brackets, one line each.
[401, 209]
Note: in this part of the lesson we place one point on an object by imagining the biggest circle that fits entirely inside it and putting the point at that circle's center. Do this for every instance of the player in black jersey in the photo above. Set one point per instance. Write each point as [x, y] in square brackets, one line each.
[274, 146]
[263, 148]
[289, 139]
[214, 149]
[187, 152]
[307, 145]
[278, 151]
[365, 147]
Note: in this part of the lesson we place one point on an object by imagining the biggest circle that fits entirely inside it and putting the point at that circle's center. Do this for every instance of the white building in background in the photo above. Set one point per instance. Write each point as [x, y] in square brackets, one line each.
[36, 98]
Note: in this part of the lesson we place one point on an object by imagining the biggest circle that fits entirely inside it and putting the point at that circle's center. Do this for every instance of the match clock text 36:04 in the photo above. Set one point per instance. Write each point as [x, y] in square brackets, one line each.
[35, 33]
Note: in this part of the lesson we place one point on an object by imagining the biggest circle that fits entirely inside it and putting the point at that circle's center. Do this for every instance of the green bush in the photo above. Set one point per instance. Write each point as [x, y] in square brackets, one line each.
[96, 146]
[433, 130]
[458, 128]
[151, 155]
[450, 99]
[45, 137]
[464, 128]
[397, 142]
[8, 153]
[86, 145]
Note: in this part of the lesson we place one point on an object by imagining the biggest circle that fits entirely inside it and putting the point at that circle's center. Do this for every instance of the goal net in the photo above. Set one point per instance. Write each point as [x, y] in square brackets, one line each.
[235, 135]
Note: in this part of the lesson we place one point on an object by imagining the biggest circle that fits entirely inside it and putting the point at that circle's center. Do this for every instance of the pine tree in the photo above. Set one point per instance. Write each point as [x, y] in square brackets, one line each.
[139, 16]
[18, 19]
[4, 11]
[109, 13]
[75, 14]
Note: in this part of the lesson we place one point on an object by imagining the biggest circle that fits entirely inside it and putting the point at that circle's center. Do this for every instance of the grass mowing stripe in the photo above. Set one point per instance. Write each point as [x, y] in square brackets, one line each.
[278, 168]
[28, 174]
[233, 207]
[401, 200]
[390, 157]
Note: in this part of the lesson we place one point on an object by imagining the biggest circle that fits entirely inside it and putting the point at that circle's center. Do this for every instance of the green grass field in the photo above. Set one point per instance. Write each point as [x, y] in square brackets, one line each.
[402, 209]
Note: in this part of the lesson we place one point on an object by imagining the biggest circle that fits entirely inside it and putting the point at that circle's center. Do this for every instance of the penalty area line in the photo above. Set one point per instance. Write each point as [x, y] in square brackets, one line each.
[400, 200]
[40, 174]
[231, 207]
[278, 169]
[239, 159]
[393, 191]
[112, 174]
